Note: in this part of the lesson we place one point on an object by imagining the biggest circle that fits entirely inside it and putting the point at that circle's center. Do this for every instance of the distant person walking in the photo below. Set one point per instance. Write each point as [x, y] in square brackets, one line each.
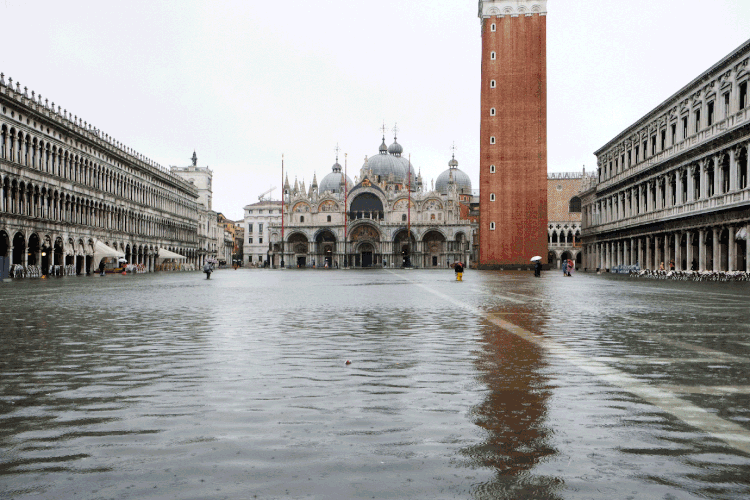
[101, 267]
[571, 266]
[207, 269]
[565, 267]
[537, 269]
[459, 268]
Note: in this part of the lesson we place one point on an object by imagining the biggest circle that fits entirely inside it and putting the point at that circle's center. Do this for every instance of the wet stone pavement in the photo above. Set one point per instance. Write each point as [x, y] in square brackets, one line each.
[170, 386]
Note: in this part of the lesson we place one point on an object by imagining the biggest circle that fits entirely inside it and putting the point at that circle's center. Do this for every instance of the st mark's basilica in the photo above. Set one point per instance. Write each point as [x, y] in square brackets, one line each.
[384, 218]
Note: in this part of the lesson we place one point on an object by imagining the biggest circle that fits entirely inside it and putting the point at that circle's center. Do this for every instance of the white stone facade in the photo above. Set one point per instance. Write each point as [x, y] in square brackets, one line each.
[514, 8]
[258, 219]
[673, 187]
[64, 185]
[210, 233]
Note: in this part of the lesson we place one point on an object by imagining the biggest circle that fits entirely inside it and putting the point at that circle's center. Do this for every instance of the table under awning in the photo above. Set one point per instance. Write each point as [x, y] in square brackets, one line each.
[165, 254]
[102, 251]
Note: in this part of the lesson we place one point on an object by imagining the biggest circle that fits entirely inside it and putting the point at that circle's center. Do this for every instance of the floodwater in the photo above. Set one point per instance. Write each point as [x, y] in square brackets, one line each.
[503, 386]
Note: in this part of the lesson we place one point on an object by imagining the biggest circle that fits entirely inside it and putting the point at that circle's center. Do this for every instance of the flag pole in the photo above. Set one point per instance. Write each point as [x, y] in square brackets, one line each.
[282, 211]
[346, 208]
[408, 219]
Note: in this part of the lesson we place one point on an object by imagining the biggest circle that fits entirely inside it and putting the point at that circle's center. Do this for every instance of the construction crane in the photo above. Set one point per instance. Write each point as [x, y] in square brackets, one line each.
[260, 198]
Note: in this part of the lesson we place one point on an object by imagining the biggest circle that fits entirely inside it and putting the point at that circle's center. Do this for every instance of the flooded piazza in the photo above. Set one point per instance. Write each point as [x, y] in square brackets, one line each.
[503, 386]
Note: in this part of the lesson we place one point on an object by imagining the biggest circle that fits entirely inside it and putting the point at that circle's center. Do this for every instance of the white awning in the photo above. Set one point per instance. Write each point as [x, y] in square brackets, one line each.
[102, 251]
[166, 254]
[742, 234]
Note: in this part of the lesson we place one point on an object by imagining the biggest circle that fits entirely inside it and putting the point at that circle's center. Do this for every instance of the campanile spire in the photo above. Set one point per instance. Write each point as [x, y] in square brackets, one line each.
[513, 133]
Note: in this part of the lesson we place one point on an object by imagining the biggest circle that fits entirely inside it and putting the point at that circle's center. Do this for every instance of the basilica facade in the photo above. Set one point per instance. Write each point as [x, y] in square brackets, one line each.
[383, 218]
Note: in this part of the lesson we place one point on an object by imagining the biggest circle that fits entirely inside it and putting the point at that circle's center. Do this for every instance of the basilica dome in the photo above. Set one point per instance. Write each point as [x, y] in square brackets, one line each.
[332, 181]
[389, 161]
[462, 181]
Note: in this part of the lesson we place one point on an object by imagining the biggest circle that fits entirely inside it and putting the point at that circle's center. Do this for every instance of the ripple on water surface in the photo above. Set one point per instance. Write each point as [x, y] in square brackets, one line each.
[172, 386]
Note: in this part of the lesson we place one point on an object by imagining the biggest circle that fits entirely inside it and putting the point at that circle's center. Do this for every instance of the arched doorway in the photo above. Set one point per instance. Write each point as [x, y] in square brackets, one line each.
[299, 244]
[365, 253]
[433, 244]
[34, 250]
[4, 257]
[365, 240]
[552, 260]
[326, 247]
[566, 255]
[58, 253]
[19, 248]
[403, 248]
[4, 244]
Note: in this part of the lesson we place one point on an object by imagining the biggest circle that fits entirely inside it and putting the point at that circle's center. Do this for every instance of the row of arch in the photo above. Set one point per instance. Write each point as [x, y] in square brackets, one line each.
[25, 149]
[49, 250]
[704, 178]
[713, 248]
[366, 246]
[558, 236]
[41, 201]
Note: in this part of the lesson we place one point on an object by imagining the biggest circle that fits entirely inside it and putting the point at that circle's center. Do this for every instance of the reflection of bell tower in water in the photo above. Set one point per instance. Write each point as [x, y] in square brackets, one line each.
[513, 132]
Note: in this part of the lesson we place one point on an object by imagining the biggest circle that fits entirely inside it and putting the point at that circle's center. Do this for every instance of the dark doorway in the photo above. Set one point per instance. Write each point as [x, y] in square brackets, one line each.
[19, 248]
[434, 261]
[301, 261]
[366, 259]
[34, 249]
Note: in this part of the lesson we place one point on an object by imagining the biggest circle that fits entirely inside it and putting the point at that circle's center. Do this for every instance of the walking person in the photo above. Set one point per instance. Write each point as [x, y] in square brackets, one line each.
[207, 269]
[459, 268]
[565, 267]
[538, 268]
[571, 266]
[101, 267]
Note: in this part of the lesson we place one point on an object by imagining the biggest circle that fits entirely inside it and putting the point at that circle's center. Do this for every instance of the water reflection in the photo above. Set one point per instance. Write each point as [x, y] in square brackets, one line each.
[513, 413]
[76, 368]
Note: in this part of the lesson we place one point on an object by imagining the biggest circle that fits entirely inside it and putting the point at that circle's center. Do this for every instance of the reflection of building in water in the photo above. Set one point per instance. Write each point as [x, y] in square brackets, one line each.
[513, 413]
[385, 218]
[674, 185]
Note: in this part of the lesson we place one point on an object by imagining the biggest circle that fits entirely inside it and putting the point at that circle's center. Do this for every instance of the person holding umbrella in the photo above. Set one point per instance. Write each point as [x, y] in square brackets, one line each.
[537, 265]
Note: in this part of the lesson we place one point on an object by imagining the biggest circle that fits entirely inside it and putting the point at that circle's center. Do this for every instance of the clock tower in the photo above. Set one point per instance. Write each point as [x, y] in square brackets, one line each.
[513, 133]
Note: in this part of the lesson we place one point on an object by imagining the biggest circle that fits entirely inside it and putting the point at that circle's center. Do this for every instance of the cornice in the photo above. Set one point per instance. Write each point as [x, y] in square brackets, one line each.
[513, 8]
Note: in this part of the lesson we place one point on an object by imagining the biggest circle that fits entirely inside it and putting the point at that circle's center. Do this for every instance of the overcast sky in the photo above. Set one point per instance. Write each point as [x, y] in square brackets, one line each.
[243, 82]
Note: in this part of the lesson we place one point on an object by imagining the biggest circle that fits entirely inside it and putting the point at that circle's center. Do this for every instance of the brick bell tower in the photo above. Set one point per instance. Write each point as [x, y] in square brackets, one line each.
[513, 133]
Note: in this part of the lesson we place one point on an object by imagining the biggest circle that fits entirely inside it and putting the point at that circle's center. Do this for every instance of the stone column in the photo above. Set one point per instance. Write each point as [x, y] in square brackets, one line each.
[703, 179]
[639, 252]
[716, 249]
[733, 170]
[717, 176]
[732, 264]
[647, 251]
[747, 248]
[690, 184]
[657, 204]
[701, 250]
[688, 250]
[678, 251]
